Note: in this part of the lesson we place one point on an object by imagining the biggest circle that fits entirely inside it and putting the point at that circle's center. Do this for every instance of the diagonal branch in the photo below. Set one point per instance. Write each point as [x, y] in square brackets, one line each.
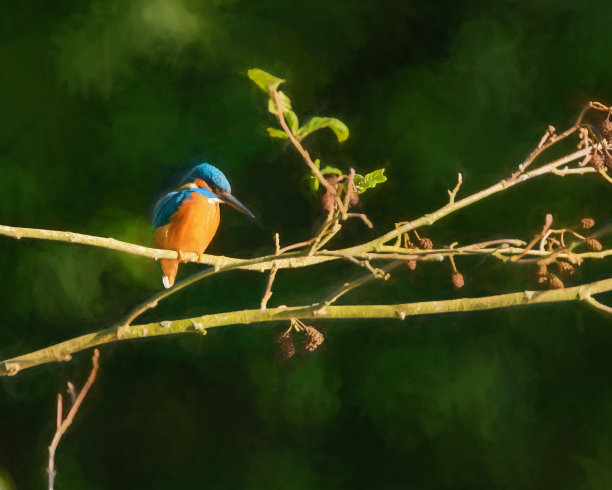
[64, 350]
[449, 208]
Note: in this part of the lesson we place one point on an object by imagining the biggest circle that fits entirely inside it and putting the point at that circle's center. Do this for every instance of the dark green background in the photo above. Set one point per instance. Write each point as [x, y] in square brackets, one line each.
[105, 104]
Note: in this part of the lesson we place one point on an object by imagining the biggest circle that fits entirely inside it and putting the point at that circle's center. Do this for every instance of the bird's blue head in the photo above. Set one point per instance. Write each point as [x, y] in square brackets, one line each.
[212, 176]
[205, 177]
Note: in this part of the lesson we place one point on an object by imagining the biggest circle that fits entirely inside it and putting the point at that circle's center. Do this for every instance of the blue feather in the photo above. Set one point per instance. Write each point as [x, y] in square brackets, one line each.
[209, 174]
[171, 202]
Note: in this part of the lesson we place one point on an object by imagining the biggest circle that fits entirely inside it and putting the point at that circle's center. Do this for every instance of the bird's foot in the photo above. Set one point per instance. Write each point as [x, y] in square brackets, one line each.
[200, 257]
[181, 256]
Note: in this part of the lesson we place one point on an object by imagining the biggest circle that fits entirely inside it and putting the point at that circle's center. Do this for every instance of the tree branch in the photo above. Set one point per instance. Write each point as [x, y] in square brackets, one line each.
[449, 208]
[64, 350]
[289, 260]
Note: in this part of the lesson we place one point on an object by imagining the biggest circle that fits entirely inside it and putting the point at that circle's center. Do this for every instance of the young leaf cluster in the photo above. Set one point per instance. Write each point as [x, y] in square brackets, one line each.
[269, 84]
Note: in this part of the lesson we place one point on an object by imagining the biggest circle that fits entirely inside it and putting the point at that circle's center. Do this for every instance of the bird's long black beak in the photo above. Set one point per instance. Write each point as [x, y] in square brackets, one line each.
[235, 203]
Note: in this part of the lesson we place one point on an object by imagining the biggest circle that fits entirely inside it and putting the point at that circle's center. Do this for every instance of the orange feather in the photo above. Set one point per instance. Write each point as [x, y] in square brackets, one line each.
[190, 229]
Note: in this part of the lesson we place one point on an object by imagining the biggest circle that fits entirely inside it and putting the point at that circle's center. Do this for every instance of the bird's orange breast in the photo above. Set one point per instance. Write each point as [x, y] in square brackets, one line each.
[191, 228]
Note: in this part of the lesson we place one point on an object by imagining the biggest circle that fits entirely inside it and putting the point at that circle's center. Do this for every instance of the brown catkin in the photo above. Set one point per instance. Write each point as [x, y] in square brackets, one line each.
[458, 280]
[313, 339]
[587, 223]
[287, 349]
[606, 128]
[328, 201]
[542, 273]
[593, 244]
[555, 283]
[426, 243]
[565, 268]
[597, 161]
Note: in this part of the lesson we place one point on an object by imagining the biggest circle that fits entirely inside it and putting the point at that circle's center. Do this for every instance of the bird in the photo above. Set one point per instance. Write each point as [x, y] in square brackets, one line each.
[186, 219]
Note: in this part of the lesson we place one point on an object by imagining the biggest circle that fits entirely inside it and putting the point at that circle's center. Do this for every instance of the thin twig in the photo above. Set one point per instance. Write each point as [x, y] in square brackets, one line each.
[295, 245]
[540, 236]
[268, 292]
[562, 172]
[332, 219]
[350, 189]
[453, 193]
[62, 425]
[360, 281]
[546, 141]
[604, 174]
[298, 146]
[361, 216]
[448, 209]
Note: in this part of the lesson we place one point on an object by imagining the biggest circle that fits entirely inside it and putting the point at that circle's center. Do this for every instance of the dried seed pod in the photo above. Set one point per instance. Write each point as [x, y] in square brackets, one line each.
[593, 244]
[287, 349]
[597, 161]
[565, 268]
[457, 279]
[313, 339]
[412, 264]
[328, 201]
[542, 273]
[426, 243]
[555, 283]
[606, 128]
[587, 223]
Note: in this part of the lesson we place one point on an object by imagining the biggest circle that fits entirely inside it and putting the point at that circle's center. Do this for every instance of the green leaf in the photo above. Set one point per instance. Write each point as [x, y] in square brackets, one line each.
[277, 133]
[285, 103]
[365, 182]
[292, 121]
[331, 170]
[313, 182]
[264, 80]
[338, 127]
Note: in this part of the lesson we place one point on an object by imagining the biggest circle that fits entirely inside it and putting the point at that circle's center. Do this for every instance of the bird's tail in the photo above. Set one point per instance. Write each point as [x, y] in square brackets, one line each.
[169, 268]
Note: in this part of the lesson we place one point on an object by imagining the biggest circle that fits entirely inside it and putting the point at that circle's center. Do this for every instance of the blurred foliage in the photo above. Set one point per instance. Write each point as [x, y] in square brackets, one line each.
[105, 104]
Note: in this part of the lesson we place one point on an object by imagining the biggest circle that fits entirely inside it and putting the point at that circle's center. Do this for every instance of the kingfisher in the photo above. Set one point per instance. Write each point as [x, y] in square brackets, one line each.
[186, 219]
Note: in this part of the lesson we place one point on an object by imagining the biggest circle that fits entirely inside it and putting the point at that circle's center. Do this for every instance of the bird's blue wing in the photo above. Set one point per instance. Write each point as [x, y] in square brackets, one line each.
[167, 206]
[171, 202]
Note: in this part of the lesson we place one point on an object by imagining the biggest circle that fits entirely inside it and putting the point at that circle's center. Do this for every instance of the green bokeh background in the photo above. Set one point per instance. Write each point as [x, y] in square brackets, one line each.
[105, 104]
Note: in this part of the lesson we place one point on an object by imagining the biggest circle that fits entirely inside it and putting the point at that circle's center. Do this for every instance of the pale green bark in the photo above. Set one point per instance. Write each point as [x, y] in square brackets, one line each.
[64, 350]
